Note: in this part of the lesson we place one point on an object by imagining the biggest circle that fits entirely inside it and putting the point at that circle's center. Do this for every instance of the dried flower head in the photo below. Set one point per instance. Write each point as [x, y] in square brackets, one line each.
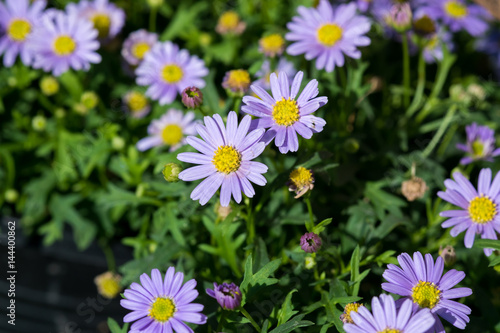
[448, 254]
[237, 80]
[108, 284]
[414, 188]
[301, 180]
[230, 23]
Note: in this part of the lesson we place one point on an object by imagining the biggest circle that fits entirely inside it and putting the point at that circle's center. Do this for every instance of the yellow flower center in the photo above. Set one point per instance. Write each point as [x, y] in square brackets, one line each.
[286, 112]
[455, 9]
[102, 22]
[162, 309]
[110, 288]
[140, 49]
[346, 316]
[137, 101]
[18, 29]
[303, 177]
[227, 159]
[272, 44]
[64, 45]
[477, 148]
[432, 43]
[229, 20]
[426, 294]
[172, 73]
[482, 210]
[171, 134]
[390, 330]
[329, 34]
[238, 80]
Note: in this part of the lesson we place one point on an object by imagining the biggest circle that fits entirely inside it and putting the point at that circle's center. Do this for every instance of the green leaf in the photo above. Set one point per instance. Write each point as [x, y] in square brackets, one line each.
[115, 328]
[495, 262]
[488, 244]
[72, 84]
[355, 259]
[286, 312]
[321, 226]
[261, 278]
[185, 15]
[292, 325]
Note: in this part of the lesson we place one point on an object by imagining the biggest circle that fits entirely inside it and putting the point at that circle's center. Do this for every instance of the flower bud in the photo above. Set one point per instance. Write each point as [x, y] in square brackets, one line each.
[424, 26]
[108, 284]
[11, 195]
[117, 143]
[309, 262]
[228, 295]
[448, 254]
[49, 85]
[155, 3]
[39, 123]
[230, 23]
[192, 97]
[400, 17]
[60, 113]
[414, 188]
[171, 172]
[223, 212]
[351, 145]
[476, 91]
[89, 99]
[310, 242]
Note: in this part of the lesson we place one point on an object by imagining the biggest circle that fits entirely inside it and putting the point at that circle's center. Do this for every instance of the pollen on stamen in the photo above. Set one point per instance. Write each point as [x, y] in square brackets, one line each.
[482, 210]
[162, 309]
[171, 134]
[18, 30]
[172, 73]
[329, 34]
[455, 9]
[286, 112]
[426, 294]
[227, 159]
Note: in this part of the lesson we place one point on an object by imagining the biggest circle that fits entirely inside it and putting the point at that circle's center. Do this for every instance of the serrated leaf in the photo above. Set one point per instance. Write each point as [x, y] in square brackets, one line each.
[292, 325]
[286, 312]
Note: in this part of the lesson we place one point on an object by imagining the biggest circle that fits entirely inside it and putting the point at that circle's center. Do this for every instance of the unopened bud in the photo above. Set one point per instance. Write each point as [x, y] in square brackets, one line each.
[476, 91]
[192, 97]
[155, 3]
[11, 195]
[414, 188]
[351, 145]
[310, 262]
[117, 143]
[448, 254]
[424, 26]
[400, 17]
[223, 212]
[39, 123]
[171, 172]
[108, 284]
[49, 85]
[89, 99]
[60, 113]
[310, 242]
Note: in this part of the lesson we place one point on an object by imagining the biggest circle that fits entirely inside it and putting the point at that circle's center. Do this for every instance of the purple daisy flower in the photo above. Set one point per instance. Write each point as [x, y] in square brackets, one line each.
[422, 282]
[480, 144]
[479, 213]
[225, 160]
[136, 104]
[284, 115]
[228, 295]
[328, 34]
[106, 17]
[137, 45]
[264, 73]
[433, 50]
[169, 130]
[168, 70]
[363, 5]
[458, 15]
[490, 44]
[160, 305]
[17, 22]
[63, 41]
[385, 318]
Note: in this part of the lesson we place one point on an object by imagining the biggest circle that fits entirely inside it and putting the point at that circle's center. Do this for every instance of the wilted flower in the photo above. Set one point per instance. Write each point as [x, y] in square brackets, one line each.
[192, 97]
[137, 104]
[228, 295]
[171, 172]
[284, 113]
[108, 284]
[272, 45]
[478, 213]
[400, 17]
[225, 160]
[49, 85]
[171, 130]
[346, 316]
[480, 144]
[18, 18]
[162, 305]
[328, 33]
[106, 17]
[62, 42]
[301, 180]
[166, 71]
[422, 282]
[448, 254]
[310, 242]
[137, 45]
[230, 23]
[414, 188]
[237, 80]
[386, 318]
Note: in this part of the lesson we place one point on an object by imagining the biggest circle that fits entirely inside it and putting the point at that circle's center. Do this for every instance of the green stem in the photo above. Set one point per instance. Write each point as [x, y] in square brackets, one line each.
[250, 226]
[152, 19]
[249, 317]
[343, 77]
[417, 98]
[406, 71]
[442, 128]
[309, 209]
[110, 258]
[221, 321]
[237, 103]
